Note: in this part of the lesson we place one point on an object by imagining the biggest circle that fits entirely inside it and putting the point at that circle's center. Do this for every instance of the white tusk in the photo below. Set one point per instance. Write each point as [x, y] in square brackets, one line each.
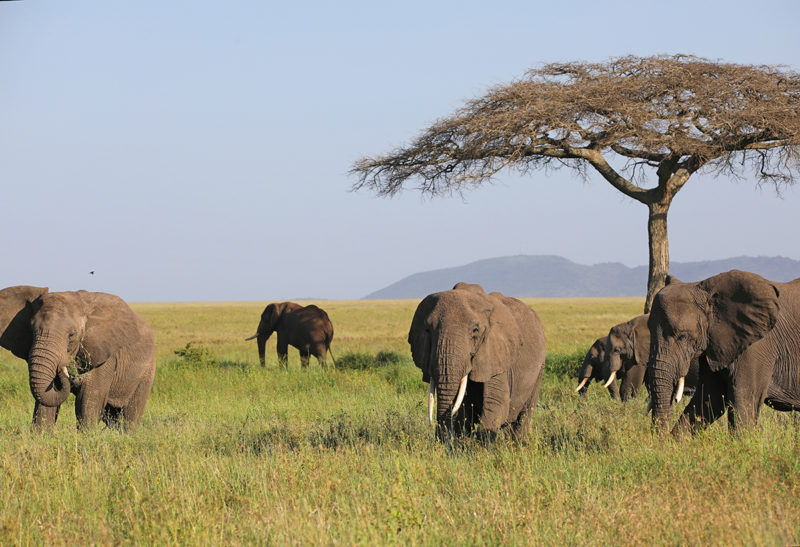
[583, 383]
[649, 406]
[679, 392]
[430, 403]
[247, 339]
[462, 390]
[611, 379]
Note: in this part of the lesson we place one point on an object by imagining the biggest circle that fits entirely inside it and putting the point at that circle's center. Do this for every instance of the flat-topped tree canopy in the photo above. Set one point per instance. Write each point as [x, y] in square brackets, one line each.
[674, 114]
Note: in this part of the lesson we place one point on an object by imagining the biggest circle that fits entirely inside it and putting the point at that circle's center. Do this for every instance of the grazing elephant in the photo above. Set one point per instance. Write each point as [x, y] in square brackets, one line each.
[113, 350]
[15, 332]
[744, 331]
[592, 369]
[486, 351]
[307, 328]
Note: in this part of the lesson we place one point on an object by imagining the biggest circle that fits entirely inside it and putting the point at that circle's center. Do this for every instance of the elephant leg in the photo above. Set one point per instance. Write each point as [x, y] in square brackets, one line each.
[748, 391]
[634, 379]
[304, 357]
[707, 404]
[496, 402]
[91, 399]
[132, 412]
[44, 417]
[521, 425]
[321, 353]
[625, 388]
[283, 351]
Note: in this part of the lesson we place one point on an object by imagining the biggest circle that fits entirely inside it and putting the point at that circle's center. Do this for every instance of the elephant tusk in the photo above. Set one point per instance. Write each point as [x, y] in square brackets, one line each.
[679, 391]
[248, 339]
[649, 406]
[462, 390]
[611, 379]
[583, 383]
[431, 391]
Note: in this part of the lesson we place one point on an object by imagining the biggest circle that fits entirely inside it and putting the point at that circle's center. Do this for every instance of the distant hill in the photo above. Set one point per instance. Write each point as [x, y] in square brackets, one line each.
[548, 275]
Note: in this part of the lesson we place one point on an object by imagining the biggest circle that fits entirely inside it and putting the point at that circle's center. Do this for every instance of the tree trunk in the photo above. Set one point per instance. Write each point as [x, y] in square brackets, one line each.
[659, 250]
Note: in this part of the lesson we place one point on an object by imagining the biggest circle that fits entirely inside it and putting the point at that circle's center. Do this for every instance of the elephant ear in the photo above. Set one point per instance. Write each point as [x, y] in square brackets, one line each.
[641, 339]
[17, 307]
[742, 308]
[420, 339]
[501, 342]
[110, 326]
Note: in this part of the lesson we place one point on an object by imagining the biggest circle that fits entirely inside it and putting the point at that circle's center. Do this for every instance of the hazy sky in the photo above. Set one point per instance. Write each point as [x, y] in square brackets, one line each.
[191, 150]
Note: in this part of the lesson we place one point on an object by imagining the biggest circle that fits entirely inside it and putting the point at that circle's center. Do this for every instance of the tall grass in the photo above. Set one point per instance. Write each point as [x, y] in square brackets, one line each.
[232, 452]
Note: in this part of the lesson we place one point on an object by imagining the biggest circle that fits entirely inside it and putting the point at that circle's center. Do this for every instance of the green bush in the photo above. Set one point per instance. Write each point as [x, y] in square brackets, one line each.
[195, 356]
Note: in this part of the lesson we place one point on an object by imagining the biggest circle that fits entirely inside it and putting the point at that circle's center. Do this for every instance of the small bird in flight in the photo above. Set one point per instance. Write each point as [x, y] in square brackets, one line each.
[91, 273]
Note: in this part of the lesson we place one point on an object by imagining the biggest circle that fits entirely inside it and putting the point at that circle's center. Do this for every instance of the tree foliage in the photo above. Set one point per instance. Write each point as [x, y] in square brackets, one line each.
[668, 112]
[673, 115]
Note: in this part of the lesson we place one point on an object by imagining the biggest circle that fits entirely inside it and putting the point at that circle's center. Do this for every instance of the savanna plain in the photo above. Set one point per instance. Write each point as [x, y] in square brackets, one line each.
[230, 452]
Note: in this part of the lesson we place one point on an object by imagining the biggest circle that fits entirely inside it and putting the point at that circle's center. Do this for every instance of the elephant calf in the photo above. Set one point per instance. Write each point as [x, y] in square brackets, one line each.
[306, 328]
[483, 357]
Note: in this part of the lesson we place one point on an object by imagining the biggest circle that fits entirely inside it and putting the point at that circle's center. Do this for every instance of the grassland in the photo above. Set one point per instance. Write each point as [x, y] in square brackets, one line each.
[232, 452]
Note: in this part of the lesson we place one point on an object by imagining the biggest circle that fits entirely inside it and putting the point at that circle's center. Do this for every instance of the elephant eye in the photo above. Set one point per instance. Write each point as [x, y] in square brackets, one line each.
[475, 330]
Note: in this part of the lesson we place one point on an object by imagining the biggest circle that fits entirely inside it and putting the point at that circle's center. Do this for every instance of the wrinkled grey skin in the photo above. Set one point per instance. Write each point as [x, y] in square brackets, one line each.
[744, 331]
[592, 368]
[497, 341]
[307, 328]
[16, 311]
[112, 347]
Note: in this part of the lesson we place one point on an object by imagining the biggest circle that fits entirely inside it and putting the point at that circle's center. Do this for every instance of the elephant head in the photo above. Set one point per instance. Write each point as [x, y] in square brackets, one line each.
[458, 336]
[16, 311]
[270, 322]
[714, 320]
[592, 365]
[87, 327]
[627, 352]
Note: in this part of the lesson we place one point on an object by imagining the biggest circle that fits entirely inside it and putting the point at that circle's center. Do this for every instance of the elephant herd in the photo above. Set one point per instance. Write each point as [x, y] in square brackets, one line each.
[732, 341]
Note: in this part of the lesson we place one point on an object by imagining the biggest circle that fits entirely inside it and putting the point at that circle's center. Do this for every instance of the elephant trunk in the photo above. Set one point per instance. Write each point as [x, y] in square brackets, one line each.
[261, 341]
[453, 369]
[662, 380]
[48, 378]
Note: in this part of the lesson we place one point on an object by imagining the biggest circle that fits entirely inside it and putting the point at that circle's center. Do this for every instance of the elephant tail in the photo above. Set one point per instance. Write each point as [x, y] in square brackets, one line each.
[332, 358]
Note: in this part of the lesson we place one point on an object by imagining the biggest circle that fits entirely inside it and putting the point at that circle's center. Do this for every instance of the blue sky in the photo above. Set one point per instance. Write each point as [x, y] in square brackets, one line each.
[200, 150]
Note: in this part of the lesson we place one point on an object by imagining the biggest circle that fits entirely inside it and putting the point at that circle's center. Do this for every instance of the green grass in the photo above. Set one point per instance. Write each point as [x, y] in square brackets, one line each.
[232, 452]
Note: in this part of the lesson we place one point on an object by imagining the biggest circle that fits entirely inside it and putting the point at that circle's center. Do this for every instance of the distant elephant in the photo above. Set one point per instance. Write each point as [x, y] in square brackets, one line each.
[486, 351]
[744, 331]
[592, 369]
[306, 328]
[112, 347]
[15, 332]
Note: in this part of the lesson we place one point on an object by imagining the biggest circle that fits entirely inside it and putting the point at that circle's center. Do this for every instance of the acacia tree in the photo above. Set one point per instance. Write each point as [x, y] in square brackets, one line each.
[659, 119]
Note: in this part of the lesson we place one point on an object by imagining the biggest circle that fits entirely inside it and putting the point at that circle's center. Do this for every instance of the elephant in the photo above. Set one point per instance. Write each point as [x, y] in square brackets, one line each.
[307, 328]
[744, 331]
[592, 369]
[15, 332]
[112, 347]
[483, 358]
[624, 356]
